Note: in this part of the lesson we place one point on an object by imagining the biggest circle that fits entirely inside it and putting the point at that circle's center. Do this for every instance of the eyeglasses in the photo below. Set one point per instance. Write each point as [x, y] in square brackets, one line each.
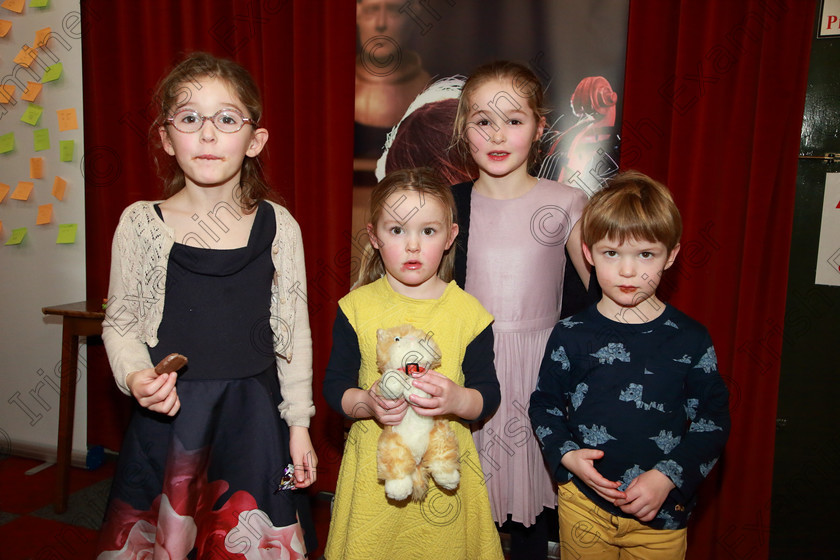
[225, 120]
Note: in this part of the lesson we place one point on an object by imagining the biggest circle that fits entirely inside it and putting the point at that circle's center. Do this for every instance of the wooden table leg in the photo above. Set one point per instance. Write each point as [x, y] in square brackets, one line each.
[81, 318]
[66, 411]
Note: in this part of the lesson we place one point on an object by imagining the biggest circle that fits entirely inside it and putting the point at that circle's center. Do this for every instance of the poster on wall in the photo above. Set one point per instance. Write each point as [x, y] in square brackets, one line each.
[576, 48]
[828, 254]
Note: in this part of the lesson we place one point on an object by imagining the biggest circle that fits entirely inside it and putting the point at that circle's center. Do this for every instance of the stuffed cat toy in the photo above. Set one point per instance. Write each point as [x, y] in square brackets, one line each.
[420, 445]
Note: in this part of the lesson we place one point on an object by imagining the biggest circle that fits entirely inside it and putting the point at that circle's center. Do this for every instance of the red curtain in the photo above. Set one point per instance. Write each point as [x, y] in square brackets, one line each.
[301, 53]
[714, 94]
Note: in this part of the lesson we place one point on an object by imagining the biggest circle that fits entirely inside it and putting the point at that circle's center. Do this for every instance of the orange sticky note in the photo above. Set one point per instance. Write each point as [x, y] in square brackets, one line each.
[59, 186]
[26, 55]
[42, 36]
[67, 119]
[7, 91]
[36, 167]
[32, 91]
[4, 190]
[1, 226]
[23, 190]
[44, 214]
[5, 25]
[14, 5]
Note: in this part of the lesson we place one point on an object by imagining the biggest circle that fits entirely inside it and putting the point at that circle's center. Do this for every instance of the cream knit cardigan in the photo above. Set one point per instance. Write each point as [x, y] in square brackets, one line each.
[139, 258]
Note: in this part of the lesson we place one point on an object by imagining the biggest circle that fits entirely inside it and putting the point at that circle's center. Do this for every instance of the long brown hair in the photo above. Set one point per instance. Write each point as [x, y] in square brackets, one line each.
[522, 81]
[176, 88]
[424, 181]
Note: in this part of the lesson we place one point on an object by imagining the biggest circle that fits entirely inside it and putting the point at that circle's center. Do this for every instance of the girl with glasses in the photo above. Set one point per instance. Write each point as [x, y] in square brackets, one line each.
[215, 272]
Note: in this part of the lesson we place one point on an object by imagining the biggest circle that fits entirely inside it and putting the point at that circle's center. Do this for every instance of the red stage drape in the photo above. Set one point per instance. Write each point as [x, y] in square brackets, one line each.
[714, 94]
[301, 53]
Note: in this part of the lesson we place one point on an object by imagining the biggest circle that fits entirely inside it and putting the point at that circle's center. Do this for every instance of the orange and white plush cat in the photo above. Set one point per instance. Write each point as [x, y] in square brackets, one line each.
[420, 445]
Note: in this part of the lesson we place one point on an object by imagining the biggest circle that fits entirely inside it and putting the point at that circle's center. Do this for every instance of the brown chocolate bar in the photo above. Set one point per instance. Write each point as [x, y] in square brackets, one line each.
[173, 362]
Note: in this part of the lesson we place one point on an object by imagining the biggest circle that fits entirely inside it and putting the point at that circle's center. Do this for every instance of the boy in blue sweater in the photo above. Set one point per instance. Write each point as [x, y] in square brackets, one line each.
[630, 410]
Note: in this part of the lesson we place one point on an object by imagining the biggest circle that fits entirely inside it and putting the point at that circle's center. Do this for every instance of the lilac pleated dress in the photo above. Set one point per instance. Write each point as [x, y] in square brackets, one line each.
[515, 268]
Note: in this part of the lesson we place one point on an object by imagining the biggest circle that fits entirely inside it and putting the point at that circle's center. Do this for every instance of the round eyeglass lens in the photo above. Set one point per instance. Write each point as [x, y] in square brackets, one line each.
[228, 121]
[187, 121]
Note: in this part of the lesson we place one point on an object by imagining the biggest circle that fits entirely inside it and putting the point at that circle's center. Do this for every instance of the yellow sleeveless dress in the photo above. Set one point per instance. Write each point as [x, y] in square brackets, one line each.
[365, 524]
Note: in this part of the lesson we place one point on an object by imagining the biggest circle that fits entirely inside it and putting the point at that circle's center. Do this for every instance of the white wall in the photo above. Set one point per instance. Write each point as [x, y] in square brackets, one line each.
[40, 272]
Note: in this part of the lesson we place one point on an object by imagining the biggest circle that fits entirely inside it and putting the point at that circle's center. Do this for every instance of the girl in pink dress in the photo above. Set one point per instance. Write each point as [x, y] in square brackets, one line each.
[511, 254]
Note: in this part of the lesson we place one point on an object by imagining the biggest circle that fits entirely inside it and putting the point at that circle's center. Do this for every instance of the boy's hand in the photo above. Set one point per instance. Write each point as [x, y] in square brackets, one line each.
[645, 495]
[581, 463]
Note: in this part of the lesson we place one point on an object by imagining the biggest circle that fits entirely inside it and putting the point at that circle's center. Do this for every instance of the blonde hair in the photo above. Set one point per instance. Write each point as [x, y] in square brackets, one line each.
[422, 180]
[632, 206]
[523, 82]
[174, 90]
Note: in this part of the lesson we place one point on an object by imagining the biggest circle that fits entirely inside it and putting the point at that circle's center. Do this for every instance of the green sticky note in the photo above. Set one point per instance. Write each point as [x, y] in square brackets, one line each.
[7, 143]
[32, 114]
[39, 3]
[66, 233]
[17, 236]
[52, 73]
[42, 139]
[65, 150]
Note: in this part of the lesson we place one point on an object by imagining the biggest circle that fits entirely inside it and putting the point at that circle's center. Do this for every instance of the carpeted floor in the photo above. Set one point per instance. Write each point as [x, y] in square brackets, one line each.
[30, 528]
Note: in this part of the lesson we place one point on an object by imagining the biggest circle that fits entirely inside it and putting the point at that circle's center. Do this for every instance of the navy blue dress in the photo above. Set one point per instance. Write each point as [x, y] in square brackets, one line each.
[207, 479]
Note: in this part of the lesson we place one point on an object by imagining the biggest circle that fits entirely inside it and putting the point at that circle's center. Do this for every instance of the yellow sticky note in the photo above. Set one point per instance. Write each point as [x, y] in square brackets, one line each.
[67, 119]
[25, 57]
[5, 25]
[66, 233]
[4, 190]
[7, 142]
[41, 37]
[36, 168]
[42, 139]
[59, 186]
[32, 91]
[65, 150]
[39, 3]
[44, 215]
[23, 190]
[17, 236]
[13, 5]
[7, 91]
[52, 73]
[32, 114]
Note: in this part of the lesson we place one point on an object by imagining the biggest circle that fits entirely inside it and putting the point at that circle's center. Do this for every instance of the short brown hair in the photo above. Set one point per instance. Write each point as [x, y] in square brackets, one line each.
[632, 206]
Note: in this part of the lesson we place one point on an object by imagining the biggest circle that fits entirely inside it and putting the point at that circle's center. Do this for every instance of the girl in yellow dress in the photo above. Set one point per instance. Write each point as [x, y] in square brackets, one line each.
[406, 279]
